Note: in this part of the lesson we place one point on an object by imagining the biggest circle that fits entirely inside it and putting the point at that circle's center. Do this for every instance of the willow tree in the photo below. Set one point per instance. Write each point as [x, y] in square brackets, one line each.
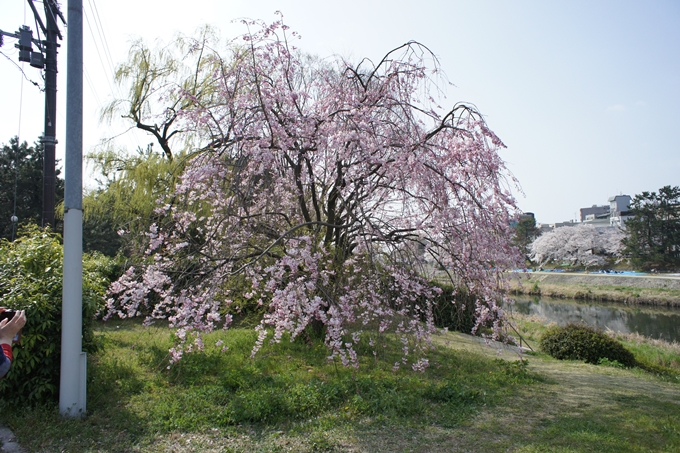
[164, 82]
[118, 213]
[334, 191]
[159, 83]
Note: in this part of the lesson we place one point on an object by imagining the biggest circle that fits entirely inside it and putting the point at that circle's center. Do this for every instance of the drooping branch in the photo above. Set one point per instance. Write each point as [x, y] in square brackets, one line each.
[319, 184]
[171, 80]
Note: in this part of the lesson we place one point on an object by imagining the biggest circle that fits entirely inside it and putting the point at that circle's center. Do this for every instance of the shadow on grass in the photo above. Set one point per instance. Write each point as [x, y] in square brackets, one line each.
[133, 397]
[636, 421]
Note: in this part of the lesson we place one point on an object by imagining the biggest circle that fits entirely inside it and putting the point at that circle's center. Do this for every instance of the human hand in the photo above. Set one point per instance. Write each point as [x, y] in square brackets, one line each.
[9, 328]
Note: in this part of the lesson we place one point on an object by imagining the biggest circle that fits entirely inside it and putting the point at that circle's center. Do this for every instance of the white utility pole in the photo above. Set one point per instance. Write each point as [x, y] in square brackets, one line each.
[72, 386]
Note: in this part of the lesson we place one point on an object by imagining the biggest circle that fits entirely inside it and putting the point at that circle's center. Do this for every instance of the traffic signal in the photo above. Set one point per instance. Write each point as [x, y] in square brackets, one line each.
[25, 45]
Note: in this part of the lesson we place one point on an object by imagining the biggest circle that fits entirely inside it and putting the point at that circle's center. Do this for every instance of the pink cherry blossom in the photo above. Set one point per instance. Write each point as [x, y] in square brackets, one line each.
[338, 191]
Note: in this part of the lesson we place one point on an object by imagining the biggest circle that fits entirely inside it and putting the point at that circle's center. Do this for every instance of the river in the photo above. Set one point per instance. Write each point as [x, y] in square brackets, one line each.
[652, 322]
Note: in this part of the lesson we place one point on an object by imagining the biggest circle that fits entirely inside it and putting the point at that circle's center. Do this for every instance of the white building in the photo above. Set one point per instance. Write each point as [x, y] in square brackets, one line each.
[595, 212]
[546, 227]
[619, 208]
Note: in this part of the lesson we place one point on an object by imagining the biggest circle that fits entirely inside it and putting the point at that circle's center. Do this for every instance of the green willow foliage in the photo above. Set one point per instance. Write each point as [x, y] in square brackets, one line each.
[161, 83]
[165, 83]
[31, 279]
[119, 213]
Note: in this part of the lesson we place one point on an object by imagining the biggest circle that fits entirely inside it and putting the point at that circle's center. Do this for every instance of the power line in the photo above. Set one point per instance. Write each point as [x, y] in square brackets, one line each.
[14, 218]
[99, 53]
[88, 79]
[22, 71]
[100, 27]
[107, 64]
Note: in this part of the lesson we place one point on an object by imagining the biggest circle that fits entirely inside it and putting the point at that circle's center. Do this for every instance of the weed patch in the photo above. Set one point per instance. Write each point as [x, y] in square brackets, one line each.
[290, 398]
[133, 397]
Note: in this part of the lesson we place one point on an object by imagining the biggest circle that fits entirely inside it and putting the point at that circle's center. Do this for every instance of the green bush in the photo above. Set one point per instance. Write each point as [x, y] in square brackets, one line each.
[579, 342]
[454, 311]
[31, 279]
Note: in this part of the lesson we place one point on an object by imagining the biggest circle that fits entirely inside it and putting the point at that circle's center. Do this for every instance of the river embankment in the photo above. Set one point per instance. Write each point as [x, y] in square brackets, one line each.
[657, 290]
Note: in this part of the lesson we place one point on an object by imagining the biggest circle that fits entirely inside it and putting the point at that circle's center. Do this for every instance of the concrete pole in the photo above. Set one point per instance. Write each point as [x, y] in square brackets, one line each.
[72, 388]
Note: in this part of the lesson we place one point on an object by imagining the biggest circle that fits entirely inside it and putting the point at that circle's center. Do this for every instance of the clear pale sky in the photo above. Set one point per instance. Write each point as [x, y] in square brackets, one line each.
[585, 94]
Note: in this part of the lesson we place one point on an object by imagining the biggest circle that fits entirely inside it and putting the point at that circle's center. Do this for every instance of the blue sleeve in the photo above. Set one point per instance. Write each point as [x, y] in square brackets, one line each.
[4, 363]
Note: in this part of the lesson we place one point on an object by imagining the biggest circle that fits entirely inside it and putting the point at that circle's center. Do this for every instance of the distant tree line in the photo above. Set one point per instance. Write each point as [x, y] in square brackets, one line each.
[653, 234]
[650, 239]
[21, 176]
[116, 214]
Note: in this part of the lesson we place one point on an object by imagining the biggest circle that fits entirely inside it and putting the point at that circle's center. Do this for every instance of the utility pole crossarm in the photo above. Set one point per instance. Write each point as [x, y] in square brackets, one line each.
[16, 35]
[11, 35]
[37, 17]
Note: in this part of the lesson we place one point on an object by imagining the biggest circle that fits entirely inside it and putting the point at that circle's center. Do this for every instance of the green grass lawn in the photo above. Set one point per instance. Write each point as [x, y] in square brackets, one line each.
[594, 291]
[289, 398]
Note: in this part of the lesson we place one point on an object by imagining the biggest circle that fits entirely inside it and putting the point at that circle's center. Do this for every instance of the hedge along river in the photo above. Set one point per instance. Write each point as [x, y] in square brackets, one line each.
[658, 323]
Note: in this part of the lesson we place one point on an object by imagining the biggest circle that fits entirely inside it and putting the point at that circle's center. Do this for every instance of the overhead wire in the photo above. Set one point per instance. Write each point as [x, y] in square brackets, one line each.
[133, 137]
[22, 71]
[107, 64]
[100, 28]
[99, 52]
[88, 79]
[15, 219]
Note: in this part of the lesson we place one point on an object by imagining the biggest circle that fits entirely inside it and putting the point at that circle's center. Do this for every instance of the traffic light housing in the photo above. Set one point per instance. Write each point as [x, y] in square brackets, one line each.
[25, 45]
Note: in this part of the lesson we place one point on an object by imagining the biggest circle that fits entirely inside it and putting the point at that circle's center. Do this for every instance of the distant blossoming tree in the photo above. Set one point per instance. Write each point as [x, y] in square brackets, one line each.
[325, 189]
[584, 245]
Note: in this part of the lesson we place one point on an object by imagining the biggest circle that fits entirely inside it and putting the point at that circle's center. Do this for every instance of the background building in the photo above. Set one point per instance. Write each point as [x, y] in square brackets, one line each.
[594, 212]
[619, 210]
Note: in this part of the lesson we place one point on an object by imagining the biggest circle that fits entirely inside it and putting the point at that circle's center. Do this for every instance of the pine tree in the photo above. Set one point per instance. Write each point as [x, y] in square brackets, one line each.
[653, 240]
[21, 168]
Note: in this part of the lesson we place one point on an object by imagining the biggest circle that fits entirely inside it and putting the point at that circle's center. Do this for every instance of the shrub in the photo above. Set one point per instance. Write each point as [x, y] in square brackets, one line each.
[102, 270]
[31, 279]
[579, 342]
[454, 310]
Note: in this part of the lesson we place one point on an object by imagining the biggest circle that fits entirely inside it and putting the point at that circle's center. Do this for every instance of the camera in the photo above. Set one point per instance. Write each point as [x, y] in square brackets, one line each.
[9, 314]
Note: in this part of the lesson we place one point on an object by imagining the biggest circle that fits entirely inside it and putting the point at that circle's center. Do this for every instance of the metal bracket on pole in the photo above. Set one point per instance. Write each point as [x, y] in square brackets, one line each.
[48, 140]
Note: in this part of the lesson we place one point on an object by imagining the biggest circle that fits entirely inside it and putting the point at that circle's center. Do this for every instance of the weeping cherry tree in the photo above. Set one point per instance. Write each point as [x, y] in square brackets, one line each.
[334, 192]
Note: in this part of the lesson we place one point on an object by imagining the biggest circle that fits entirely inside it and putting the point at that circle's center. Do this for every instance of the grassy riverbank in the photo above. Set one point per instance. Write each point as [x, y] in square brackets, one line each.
[661, 358]
[650, 290]
[472, 398]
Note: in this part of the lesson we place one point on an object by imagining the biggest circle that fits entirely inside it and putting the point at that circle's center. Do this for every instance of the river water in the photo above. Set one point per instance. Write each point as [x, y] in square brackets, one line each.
[653, 322]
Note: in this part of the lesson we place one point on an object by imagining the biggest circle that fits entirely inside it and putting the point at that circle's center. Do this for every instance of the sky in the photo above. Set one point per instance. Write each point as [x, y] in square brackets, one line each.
[585, 95]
